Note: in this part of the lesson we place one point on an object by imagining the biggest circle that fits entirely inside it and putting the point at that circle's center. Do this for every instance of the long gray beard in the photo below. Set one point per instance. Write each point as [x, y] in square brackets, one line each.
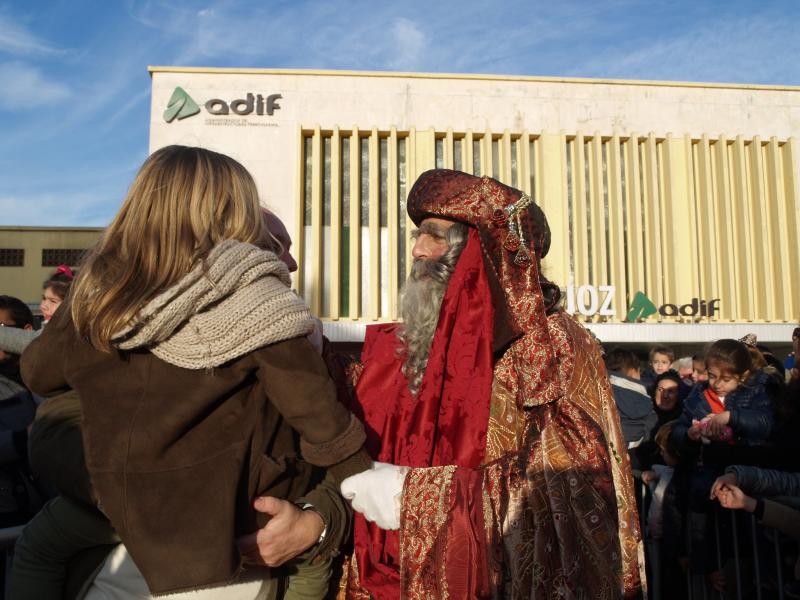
[421, 302]
[420, 305]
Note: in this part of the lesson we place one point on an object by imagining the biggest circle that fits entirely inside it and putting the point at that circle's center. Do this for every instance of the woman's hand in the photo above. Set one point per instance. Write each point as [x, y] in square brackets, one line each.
[733, 497]
[289, 532]
[723, 481]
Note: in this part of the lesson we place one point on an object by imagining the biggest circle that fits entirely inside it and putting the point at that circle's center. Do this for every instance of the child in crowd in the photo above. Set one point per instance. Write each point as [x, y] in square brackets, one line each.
[54, 290]
[667, 479]
[661, 357]
[699, 373]
[658, 478]
[722, 420]
[732, 403]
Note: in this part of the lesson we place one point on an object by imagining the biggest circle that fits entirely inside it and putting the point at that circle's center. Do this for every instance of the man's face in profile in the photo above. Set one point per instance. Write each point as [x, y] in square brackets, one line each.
[431, 239]
[278, 230]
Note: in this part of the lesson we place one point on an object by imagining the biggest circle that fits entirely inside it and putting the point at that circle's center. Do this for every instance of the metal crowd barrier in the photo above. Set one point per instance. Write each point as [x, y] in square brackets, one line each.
[697, 588]
[8, 537]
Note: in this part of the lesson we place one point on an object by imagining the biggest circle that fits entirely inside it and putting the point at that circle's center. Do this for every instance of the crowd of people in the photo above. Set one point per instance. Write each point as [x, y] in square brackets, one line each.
[202, 439]
[717, 429]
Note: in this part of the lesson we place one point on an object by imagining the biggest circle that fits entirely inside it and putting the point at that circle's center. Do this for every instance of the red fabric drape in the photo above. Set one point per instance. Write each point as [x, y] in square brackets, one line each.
[446, 423]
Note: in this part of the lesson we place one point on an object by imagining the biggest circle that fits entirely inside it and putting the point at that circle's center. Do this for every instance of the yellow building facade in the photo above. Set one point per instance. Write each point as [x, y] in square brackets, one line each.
[29, 255]
[674, 206]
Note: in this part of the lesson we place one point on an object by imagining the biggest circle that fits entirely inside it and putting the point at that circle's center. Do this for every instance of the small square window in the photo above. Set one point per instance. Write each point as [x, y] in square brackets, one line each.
[52, 257]
[12, 257]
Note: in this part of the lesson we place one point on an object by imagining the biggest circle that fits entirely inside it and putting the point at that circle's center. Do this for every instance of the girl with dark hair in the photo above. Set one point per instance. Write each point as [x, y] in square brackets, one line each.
[734, 403]
[54, 290]
[723, 420]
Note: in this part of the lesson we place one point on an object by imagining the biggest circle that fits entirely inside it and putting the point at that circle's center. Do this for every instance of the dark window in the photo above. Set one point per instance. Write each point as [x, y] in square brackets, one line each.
[52, 257]
[12, 257]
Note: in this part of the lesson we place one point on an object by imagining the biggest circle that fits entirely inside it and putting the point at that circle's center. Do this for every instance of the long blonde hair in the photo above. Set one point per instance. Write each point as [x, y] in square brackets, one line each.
[182, 203]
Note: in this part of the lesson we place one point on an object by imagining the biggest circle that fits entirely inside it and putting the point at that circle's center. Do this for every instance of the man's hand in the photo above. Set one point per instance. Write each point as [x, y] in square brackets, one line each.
[376, 493]
[722, 482]
[733, 497]
[289, 532]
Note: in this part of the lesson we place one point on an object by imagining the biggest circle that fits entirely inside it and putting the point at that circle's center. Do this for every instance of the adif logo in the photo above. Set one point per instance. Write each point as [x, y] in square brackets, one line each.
[642, 307]
[180, 106]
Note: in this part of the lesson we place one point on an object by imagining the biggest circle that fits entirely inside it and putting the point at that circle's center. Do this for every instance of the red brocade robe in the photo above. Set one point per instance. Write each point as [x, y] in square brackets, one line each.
[507, 500]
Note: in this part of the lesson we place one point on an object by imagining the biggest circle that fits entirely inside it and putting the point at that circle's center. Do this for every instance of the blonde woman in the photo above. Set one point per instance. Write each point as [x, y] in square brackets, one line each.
[199, 390]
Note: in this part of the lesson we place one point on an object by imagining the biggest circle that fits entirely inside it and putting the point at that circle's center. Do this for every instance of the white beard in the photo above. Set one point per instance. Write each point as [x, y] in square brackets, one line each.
[420, 305]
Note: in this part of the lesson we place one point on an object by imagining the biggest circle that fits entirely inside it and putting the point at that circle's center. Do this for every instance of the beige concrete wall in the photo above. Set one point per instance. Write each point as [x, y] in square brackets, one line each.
[268, 145]
[26, 282]
[724, 153]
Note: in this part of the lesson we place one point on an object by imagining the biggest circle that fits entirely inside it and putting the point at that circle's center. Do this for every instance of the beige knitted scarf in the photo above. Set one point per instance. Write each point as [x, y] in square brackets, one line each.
[235, 301]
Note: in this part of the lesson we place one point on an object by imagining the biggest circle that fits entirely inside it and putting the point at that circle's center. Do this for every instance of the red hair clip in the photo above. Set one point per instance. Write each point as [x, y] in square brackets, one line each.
[65, 270]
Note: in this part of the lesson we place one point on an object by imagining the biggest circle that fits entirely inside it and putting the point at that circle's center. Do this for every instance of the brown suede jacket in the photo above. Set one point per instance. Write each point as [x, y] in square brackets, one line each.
[176, 456]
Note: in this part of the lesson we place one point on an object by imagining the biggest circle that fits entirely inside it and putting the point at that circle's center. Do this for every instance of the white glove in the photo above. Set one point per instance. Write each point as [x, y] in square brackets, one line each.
[377, 493]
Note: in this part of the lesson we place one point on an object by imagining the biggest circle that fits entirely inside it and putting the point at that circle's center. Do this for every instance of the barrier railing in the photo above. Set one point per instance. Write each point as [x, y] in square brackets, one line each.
[748, 545]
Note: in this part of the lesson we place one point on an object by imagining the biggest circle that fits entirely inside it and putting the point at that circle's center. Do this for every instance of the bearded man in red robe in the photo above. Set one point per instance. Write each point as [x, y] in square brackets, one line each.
[500, 471]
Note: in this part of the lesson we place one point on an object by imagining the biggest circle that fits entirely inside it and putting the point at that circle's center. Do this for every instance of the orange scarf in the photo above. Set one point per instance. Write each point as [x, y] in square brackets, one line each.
[713, 401]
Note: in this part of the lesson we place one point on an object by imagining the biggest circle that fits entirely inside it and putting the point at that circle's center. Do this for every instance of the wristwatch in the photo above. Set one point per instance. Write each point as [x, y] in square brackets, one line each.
[308, 506]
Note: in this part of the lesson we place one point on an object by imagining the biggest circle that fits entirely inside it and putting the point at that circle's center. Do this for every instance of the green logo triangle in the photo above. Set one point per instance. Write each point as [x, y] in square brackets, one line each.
[180, 105]
[641, 307]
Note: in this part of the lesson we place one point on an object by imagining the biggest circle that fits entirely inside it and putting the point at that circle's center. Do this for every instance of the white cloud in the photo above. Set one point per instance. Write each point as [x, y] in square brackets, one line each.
[410, 44]
[15, 39]
[25, 87]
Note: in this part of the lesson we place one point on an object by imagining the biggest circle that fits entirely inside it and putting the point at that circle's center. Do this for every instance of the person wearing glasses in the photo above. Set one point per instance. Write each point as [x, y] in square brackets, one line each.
[18, 499]
[15, 339]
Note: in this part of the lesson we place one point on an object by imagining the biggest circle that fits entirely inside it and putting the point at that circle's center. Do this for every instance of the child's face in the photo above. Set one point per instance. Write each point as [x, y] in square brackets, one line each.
[699, 372]
[50, 302]
[660, 363]
[722, 380]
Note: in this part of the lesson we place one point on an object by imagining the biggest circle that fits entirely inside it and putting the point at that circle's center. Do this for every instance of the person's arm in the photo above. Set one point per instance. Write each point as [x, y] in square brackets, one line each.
[42, 362]
[766, 482]
[321, 520]
[767, 512]
[781, 517]
[756, 421]
[336, 514]
[298, 385]
[14, 340]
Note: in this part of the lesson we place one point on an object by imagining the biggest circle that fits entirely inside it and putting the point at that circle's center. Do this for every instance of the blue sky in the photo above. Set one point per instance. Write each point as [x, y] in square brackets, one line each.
[75, 91]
